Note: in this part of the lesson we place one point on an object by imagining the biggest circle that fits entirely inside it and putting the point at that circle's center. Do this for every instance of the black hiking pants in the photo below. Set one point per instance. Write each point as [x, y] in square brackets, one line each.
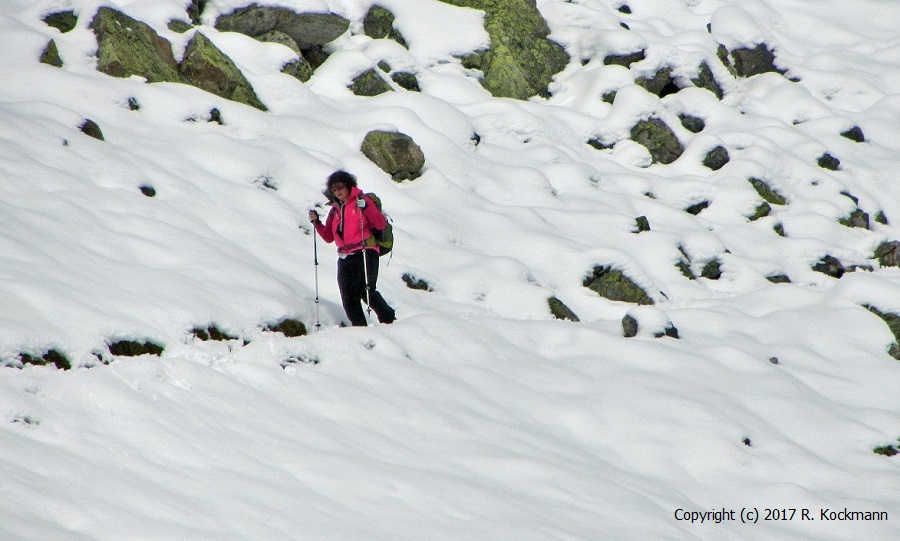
[351, 281]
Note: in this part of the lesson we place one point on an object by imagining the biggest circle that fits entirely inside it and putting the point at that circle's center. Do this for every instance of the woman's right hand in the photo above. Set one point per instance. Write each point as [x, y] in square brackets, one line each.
[313, 216]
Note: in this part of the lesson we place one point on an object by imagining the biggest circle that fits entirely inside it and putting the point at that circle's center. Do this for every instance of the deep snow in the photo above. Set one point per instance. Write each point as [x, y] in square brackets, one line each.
[477, 415]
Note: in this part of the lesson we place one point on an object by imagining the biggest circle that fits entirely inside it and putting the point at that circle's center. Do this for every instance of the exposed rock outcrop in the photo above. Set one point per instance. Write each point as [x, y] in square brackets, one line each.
[521, 60]
[129, 47]
[208, 68]
[306, 29]
[395, 153]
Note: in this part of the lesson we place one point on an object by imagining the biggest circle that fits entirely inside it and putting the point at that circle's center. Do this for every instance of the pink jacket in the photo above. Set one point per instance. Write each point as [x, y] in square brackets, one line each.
[343, 224]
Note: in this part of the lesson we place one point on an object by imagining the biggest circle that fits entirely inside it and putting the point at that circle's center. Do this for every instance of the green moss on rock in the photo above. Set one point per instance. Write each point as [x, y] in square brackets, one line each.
[705, 79]
[888, 254]
[395, 153]
[716, 158]
[414, 282]
[208, 68]
[212, 332]
[91, 129]
[521, 61]
[762, 210]
[893, 323]
[288, 327]
[692, 124]
[307, 29]
[133, 348]
[857, 218]
[659, 139]
[64, 21]
[129, 47]
[612, 284]
[50, 55]
[379, 24]
[766, 192]
[560, 311]
[625, 60]
[52, 356]
[369, 83]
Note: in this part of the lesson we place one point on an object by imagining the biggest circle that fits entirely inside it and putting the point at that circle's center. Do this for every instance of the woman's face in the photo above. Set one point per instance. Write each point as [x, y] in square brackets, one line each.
[340, 191]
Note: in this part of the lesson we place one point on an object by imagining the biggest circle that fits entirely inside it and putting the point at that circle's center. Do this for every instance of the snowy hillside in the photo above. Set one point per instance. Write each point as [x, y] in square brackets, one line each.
[762, 378]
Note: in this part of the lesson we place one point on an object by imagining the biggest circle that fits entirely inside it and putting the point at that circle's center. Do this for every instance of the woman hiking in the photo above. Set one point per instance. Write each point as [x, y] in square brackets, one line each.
[349, 225]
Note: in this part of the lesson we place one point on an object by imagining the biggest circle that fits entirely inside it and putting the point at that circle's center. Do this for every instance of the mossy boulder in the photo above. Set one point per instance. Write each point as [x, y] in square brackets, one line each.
[857, 218]
[648, 321]
[779, 279]
[560, 311]
[406, 80]
[766, 192]
[64, 21]
[369, 83]
[762, 210]
[888, 254]
[178, 26]
[91, 129]
[717, 158]
[893, 323]
[705, 79]
[51, 55]
[698, 207]
[379, 24]
[827, 161]
[692, 124]
[748, 62]
[300, 68]
[855, 134]
[831, 266]
[208, 68]
[129, 47]
[397, 154]
[712, 270]
[659, 139]
[52, 356]
[625, 60]
[195, 10]
[641, 224]
[289, 327]
[212, 332]
[307, 29]
[134, 348]
[414, 282]
[521, 61]
[614, 285]
[662, 84]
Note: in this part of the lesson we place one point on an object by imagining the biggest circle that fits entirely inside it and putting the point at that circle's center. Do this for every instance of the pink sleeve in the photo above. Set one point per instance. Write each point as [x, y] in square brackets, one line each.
[325, 231]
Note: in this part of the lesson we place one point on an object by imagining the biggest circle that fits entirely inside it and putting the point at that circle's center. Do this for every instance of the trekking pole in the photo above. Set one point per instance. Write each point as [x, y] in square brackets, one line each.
[365, 264]
[316, 266]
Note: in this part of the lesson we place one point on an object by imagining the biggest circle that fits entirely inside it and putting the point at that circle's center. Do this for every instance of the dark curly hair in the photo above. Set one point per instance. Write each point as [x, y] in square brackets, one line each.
[341, 177]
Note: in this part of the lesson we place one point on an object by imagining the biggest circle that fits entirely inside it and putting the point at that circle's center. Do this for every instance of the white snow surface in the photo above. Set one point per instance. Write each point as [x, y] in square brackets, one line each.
[477, 415]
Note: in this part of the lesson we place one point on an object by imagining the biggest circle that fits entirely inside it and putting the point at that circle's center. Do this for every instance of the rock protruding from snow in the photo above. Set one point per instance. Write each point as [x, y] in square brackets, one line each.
[306, 29]
[659, 139]
[397, 154]
[647, 321]
[614, 285]
[521, 61]
[208, 68]
[129, 47]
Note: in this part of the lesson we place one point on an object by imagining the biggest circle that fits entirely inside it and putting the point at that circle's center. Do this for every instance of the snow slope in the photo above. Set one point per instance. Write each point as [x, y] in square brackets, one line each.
[477, 415]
